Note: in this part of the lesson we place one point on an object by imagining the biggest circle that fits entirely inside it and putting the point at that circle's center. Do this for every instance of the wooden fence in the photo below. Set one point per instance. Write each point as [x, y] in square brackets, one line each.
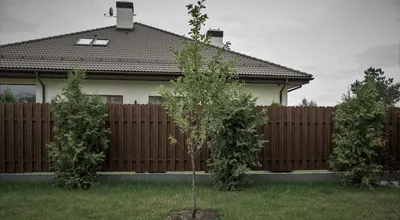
[299, 139]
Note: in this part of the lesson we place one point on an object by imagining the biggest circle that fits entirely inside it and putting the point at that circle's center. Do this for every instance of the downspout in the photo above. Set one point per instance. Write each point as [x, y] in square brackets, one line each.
[43, 87]
[280, 93]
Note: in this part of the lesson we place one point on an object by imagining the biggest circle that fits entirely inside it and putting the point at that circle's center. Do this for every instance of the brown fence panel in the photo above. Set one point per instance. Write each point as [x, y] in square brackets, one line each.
[299, 138]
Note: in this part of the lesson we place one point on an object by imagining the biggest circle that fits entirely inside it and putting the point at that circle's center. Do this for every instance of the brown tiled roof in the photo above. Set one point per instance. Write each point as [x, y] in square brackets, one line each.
[146, 49]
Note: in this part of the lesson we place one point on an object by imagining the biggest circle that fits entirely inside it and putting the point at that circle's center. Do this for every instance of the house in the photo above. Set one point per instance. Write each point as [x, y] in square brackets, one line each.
[125, 63]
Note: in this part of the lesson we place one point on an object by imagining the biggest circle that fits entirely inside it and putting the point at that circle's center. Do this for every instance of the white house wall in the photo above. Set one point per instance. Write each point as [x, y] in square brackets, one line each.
[267, 93]
[131, 91]
[138, 91]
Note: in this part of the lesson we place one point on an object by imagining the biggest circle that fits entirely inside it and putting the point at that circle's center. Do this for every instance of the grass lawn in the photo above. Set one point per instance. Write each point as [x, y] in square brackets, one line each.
[154, 200]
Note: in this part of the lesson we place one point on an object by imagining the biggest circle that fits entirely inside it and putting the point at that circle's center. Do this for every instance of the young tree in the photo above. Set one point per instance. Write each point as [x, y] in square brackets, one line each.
[197, 94]
[80, 136]
[305, 103]
[8, 96]
[359, 121]
[388, 91]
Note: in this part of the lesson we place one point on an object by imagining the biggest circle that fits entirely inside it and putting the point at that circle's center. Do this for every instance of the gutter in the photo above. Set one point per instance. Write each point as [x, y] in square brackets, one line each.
[280, 93]
[138, 73]
[43, 87]
[294, 88]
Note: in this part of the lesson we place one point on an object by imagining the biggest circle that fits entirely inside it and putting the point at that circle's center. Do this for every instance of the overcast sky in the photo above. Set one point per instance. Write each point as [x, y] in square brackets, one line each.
[333, 40]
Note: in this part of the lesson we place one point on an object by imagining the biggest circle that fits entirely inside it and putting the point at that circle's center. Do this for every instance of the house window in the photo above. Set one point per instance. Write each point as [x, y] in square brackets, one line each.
[84, 41]
[92, 42]
[111, 99]
[156, 100]
[100, 42]
[22, 93]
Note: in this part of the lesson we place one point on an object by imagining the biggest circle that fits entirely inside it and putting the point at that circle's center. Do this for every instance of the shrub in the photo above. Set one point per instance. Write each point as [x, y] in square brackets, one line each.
[359, 121]
[80, 136]
[235, 141]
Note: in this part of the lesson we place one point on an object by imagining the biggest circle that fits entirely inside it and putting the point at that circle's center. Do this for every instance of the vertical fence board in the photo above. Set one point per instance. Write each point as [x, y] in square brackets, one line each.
[139, 119]
[163, 130]
[11, 122]
[29, 135]
[305, 143]
[112, 137]
[272, 138]
[321, 130]
[146, 135]
[20, 138]
[134, 144]
[312, 138]
[47, 134]
[2, 139]
[289, 134]
[38, 137]
[121, 121]
[294, 138]
[276, 139]
[155, 146]
[329, 137]
[129, 138]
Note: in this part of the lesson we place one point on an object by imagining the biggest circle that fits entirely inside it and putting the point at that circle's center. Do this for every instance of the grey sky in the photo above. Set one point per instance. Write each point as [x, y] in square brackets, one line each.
[333, 40]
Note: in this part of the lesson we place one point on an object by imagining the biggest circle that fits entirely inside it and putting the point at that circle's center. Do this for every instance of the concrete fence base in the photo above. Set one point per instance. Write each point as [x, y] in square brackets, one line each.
[183, 177]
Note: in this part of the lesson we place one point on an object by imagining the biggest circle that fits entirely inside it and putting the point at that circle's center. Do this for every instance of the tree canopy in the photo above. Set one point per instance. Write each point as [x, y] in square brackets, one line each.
[388, 91]
[305, 103]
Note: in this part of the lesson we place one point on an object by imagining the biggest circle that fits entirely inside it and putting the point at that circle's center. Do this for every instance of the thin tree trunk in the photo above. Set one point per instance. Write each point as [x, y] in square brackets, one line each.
[193, 186]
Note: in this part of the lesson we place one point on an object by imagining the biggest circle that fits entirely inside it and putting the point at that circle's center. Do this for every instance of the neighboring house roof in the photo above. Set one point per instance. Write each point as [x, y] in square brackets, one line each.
[146, 49]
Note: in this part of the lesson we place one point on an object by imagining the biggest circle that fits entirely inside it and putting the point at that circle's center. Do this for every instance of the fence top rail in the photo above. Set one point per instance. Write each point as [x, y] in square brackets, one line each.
[262, 106]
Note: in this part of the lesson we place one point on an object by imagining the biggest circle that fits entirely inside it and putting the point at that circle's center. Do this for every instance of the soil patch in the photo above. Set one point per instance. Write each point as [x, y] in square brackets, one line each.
[200, 215]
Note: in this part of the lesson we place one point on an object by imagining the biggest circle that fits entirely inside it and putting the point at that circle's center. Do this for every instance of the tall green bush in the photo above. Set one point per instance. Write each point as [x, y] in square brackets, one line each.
[359, 121]
[235, 141]
[80, 136]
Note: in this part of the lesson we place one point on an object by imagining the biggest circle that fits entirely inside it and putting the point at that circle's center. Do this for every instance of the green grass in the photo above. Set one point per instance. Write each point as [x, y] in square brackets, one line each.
[154, 200]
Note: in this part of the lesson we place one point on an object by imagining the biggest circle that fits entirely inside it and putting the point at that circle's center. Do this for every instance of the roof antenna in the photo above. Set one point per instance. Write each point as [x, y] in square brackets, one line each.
[110, 13]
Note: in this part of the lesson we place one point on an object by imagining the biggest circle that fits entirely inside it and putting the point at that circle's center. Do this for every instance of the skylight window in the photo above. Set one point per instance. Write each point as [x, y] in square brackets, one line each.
[101, 42]
[84, 41]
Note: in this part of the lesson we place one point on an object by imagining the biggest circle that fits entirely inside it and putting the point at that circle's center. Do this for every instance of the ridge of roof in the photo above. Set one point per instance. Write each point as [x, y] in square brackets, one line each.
[230, 51]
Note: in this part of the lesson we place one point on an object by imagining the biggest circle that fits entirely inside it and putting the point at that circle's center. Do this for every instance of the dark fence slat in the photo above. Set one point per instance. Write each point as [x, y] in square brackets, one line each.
[163, 145]
[2, 139]
[128, 137]
[20, 138]
[29, 134]
[38, 138]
